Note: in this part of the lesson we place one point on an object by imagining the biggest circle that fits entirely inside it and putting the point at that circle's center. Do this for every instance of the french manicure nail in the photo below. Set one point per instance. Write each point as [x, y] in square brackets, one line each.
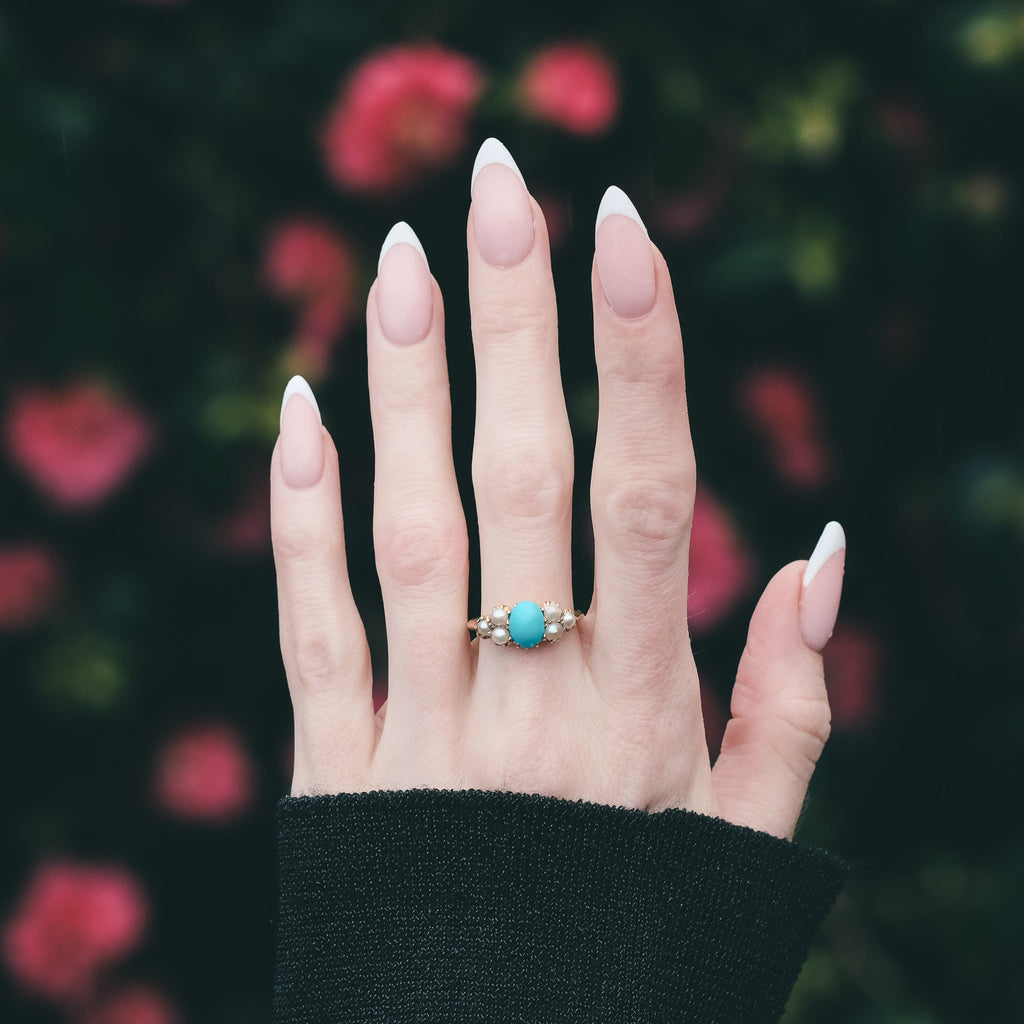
[302, 447]
[625, 263]
[502, 214]
[405, 299]
[823, 587]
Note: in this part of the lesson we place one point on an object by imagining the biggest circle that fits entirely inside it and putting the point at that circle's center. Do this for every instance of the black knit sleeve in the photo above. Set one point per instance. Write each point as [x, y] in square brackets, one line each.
[452, 907]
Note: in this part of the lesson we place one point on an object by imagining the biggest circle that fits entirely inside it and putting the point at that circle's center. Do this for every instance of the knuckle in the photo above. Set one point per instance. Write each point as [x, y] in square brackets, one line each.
[514, 325]
[321, 661]
[812, 718]
[413, 554]
[799, 735]
[654, 368]
[647, 516]
[523, 485]
[304, 563]
[413, 395]
[305, 543]
[315, 663]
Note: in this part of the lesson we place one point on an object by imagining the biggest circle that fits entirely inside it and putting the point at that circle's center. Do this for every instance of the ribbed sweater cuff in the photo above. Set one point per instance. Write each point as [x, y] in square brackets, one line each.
[460, 906]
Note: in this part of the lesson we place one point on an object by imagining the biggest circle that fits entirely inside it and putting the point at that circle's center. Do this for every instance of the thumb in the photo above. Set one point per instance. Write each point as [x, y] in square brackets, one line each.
[780, 714]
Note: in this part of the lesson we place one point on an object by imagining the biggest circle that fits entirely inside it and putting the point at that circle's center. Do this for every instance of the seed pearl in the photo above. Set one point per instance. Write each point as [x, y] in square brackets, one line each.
[483, 627]
[553, 630]
[500, 635]
[499, 617]
[551, 612]
[568, 620]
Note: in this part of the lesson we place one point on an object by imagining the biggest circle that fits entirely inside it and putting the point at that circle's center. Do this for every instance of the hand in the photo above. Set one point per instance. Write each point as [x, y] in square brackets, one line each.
[610, 713]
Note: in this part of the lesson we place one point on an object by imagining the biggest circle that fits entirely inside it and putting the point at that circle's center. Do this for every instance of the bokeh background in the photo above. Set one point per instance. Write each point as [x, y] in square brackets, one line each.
[192, 198]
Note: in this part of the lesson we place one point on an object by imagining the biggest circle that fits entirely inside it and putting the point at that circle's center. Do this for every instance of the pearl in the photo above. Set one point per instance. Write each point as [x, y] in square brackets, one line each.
[553, 630]
[483, 627]
[526, 624]
[552, 611]
[500, 635]
[499, 617]
[568, 619]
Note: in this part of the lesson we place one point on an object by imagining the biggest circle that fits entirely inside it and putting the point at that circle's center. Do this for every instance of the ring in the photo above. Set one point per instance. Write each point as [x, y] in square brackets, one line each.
[525, 624]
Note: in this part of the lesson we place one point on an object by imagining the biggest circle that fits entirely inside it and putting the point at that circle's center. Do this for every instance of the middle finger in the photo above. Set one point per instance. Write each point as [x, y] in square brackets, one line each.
[522, 456]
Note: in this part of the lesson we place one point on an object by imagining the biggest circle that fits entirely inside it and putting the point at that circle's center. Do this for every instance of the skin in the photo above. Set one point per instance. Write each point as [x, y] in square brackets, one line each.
[611, 712]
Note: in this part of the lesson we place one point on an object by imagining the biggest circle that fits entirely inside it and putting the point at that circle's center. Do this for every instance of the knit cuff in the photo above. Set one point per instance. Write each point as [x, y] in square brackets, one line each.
[471, 906]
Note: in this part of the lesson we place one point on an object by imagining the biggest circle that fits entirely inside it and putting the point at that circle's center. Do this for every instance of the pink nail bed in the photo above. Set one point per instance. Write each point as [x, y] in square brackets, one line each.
[405, 299]
[823, 587]
[625, 263]
[302, 449]
[502, 214]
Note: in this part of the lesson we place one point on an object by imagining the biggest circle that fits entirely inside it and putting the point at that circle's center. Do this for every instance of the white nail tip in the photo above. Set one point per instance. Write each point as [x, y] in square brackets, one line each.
[299, 386]
[401, 233]
[832, 539]
[493, 152]
[616, 201]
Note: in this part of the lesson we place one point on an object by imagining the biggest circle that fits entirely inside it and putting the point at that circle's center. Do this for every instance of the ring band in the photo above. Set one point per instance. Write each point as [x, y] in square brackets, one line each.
[525, 624]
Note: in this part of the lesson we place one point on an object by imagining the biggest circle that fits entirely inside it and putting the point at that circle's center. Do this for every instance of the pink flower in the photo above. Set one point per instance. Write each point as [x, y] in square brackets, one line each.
[204, 772]
[852, 659]
[76, 443]
[783, 406]
[138, 1004]
[572, 85]
[308, 263]
[29, 583]
[402, 112]
[72, 921]
[721, 570]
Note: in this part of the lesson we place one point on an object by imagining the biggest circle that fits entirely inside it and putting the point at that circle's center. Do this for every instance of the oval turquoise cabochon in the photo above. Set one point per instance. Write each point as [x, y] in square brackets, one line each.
[526, 624]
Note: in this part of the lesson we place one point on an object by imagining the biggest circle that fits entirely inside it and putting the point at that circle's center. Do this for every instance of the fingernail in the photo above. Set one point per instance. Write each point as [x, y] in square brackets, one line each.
[405, 299]
[822, 588]
[625, 263]
[502, 215]
[302, 447]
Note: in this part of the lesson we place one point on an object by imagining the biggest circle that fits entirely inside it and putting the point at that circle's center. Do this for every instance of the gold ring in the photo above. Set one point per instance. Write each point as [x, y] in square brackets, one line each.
[525, 624]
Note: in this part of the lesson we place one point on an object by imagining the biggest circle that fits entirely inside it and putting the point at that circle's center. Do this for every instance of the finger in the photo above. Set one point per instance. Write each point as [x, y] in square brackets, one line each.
[419, 528]
[322, 640]
[522, 455]
[644, 476]
[780, 714]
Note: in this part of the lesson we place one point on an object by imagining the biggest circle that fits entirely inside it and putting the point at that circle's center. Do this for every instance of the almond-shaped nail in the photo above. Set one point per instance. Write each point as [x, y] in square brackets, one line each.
[302, 446]
[405, 298]
[823, 587]
[502, 214]
[625, 263]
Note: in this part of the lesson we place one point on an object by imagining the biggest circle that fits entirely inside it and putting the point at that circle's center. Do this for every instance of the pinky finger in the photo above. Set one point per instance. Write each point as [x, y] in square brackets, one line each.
[323, 644]
[780, 712]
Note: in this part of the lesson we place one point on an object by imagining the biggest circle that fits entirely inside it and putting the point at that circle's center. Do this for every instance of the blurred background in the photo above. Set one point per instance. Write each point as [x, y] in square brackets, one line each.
[192, 198]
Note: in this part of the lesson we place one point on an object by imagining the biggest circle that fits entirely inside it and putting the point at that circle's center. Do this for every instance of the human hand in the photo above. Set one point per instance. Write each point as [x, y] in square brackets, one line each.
[610, 713]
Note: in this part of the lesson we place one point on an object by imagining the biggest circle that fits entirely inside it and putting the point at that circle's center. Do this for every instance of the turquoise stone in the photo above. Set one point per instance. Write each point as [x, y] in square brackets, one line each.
[526, 624]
